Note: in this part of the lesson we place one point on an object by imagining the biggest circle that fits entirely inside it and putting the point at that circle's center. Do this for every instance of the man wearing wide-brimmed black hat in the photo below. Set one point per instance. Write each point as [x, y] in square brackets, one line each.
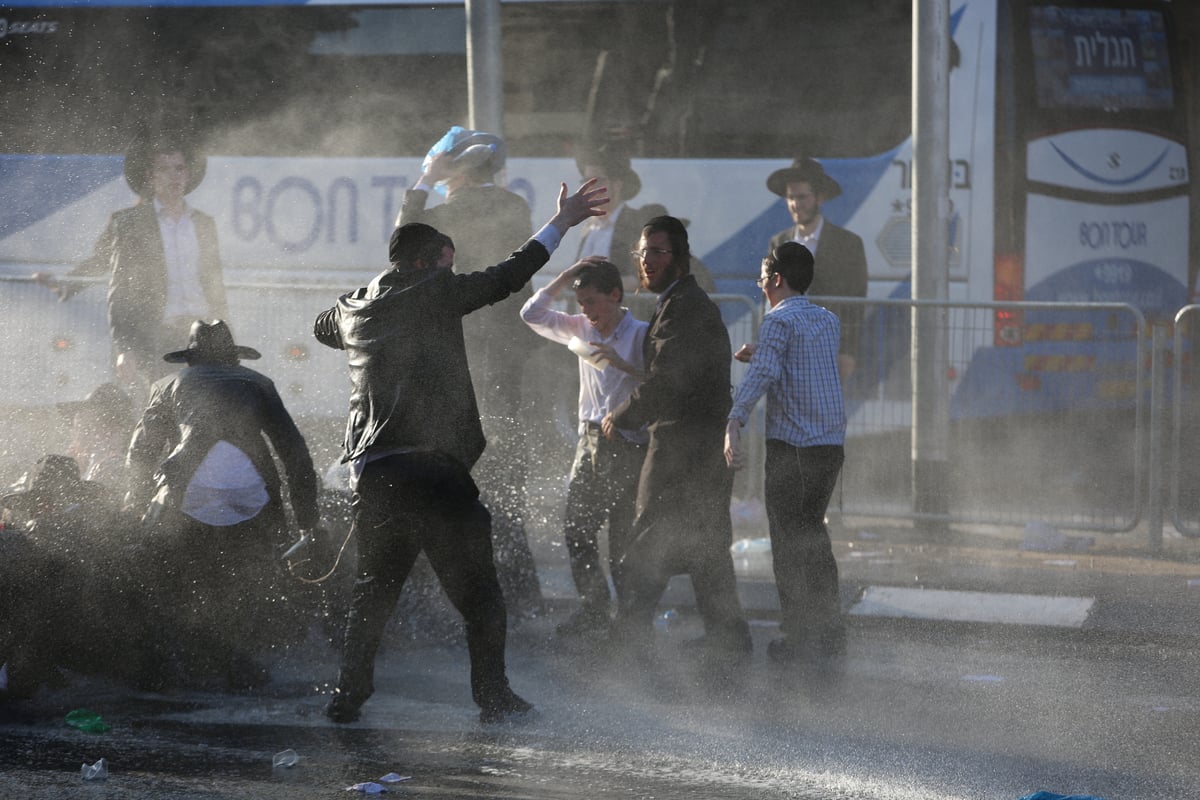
[161, 256]
[216, 496]
[841, 261]
[612, 237]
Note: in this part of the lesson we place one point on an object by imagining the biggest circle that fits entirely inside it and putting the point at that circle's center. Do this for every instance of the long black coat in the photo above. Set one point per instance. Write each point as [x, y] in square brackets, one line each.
[684, 402]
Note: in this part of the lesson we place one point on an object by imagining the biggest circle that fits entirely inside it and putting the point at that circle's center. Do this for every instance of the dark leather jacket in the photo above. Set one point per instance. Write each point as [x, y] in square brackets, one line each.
[486, 223]
[403, 334]
[202, 404]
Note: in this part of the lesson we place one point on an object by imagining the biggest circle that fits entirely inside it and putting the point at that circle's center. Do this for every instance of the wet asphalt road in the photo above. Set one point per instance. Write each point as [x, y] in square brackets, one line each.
[923, 711]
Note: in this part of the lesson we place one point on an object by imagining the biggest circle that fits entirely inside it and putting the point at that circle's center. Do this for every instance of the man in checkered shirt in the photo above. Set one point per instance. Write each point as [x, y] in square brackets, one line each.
[795, 363]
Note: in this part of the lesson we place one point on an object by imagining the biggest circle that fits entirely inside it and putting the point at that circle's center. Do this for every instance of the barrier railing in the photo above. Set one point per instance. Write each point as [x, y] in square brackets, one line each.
[1048, 402]
[1047, 413]
[1184, 505]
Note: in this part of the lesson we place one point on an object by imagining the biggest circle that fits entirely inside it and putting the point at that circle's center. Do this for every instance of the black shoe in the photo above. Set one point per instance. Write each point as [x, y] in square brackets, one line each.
[830, 643]
[510, 709]
[783, 651]
[587, 621]
[826, 646]
[342, 709]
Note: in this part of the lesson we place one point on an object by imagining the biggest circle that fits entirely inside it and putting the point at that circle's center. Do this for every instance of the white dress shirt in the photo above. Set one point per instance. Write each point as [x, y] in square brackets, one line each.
[185, 295]
[600, 390]
[226, 488]
[811, 240]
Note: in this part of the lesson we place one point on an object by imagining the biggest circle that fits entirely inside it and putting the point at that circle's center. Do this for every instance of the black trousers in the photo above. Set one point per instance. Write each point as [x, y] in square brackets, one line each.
[405, 504]
[683, 527]
[799, 483]
[211, 598]
[603, 488]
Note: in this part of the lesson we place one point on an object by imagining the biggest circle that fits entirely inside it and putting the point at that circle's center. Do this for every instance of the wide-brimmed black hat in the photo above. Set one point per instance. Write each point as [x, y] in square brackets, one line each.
[53, 480]
[211, 341]
[613, 158]
[808, 170]
[108, 401]
[139, 160]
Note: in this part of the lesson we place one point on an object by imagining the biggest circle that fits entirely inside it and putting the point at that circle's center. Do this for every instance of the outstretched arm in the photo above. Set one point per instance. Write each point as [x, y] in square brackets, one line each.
[587, 201]
[477, 289]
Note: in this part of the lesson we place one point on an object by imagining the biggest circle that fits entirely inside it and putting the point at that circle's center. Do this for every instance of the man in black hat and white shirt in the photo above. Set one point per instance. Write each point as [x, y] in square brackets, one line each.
[841, 261]
[613, 237]
[216, 497]
[161, 256]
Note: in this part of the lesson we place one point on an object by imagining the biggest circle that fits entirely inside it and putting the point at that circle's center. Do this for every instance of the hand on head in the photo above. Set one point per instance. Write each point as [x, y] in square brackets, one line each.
[439, 169]
[578, 266]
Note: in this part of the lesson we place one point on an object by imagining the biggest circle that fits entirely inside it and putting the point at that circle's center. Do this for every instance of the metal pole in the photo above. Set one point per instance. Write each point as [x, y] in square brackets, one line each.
[485, 67]
[1158, 417]
[930, 247]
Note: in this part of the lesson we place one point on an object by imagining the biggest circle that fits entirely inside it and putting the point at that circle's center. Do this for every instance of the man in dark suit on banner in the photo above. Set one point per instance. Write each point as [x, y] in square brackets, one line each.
[841, 261]
[613, 236]
[161, 256]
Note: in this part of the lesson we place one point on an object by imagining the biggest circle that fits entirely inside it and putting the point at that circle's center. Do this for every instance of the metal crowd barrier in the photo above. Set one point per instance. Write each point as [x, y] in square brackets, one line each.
[1049, 403]
[1184, 470]
[1047, 417]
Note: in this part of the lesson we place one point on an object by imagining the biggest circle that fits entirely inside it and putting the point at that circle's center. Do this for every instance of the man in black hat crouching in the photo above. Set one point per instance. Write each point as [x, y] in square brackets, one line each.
[841, 261]
[413, 436]
[216, 497]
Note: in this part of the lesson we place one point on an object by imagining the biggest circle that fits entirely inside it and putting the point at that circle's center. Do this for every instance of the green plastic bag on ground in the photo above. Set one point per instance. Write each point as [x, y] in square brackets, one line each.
[87, 721]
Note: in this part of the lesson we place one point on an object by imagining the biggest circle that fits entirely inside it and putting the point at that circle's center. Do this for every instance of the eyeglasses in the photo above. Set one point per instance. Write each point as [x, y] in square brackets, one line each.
[650, 251]
[762, 281]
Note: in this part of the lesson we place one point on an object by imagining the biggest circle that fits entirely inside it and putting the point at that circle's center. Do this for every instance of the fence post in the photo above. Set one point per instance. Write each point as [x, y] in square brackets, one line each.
[1158, 352]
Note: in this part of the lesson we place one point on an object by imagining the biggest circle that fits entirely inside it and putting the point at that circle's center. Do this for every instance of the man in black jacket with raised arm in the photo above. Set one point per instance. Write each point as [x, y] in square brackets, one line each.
[413, 436]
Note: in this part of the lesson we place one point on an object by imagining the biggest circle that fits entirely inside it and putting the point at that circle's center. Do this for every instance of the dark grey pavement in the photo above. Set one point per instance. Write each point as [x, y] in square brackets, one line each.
[1103, 702]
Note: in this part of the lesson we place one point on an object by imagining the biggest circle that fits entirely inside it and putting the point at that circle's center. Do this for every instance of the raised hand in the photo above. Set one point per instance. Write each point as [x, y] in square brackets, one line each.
[587, 201]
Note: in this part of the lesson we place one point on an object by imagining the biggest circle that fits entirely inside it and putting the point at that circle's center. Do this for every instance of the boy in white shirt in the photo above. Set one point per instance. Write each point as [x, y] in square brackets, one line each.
[603, 485]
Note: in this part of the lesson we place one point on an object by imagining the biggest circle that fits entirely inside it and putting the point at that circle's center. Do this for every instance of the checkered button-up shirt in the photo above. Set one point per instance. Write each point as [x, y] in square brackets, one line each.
[795, 365]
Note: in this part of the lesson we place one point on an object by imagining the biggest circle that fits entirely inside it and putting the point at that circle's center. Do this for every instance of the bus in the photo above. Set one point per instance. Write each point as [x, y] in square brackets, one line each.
[1069, 149]
[1070, 183]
